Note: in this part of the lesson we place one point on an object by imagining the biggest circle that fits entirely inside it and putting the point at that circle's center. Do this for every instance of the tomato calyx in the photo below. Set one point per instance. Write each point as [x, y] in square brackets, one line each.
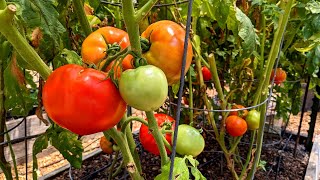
[113, 49]
[145, 44]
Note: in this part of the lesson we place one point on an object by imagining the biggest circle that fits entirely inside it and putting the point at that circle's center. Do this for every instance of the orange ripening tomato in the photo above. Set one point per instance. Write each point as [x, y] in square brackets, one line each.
[281, 76]
[95, 46]
[166, 50]
[106, 145]
[240, 113]
[82, 100]
[236, 126]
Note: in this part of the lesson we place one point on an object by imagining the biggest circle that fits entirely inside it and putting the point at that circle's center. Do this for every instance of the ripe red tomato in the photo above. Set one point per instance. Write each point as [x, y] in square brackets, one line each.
[166, 50]
[106, 145]
[82, 100]
[281, 76]
[253, 120]
[236, 126]
[95, 46]
[240, 113]
[145, 136]
[206, 73]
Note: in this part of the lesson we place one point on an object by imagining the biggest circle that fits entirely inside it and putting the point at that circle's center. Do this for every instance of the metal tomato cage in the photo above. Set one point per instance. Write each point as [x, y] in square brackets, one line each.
[179, 106]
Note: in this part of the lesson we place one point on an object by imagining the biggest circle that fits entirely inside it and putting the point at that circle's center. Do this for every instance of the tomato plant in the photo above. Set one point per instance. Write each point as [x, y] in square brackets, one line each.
[189, 141]
[148, 142]
[166, 50]
[206, 73]
[106, 145]
[82, 100]
[253, 119]
[240, 113]
[280, 76]
[236, 126]
[144, 88]
[95, 46]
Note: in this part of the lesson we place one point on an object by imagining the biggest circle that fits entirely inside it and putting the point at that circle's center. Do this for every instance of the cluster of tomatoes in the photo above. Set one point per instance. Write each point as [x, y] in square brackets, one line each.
[238, 122]
[86, 100]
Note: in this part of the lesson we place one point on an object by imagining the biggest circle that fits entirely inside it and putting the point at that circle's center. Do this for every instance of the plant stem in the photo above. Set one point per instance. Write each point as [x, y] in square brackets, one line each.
[114, 161]
[275, 49]
[119, 138]
[19, 43]
[143, 11]
[132, 25]
[190, 98]
[153, 128]
[133, 149]
[244, 168]
[13, 157]
[130, 119]
[263, 28]
[78, 6]
[4, 165]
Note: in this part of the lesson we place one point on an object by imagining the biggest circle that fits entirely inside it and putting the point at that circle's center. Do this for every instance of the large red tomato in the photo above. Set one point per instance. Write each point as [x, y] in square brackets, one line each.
[240, 113]
[145, 136]
[82, 100]
[166, 50]
[95, 46]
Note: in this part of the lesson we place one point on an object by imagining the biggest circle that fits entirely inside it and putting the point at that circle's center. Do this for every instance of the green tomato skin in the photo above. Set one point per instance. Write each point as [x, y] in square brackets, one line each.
[253, 119]
[144, 88]
[189, 141]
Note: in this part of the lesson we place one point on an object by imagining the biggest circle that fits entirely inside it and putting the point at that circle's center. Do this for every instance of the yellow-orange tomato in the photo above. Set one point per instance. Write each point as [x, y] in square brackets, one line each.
[240, 113]
[95, 46]
[281, 76]
[236, 126]
[106, 145]
[166, 50]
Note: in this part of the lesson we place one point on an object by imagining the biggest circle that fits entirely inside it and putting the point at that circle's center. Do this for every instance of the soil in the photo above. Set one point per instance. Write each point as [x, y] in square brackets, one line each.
[277, 152]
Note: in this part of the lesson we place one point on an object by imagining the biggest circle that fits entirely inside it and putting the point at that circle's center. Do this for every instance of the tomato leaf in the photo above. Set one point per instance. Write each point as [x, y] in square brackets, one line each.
[68, 145]
[40, 144]
[197, 174]
[180, 170]
[18, 97]
[66, 57]
[246, 33]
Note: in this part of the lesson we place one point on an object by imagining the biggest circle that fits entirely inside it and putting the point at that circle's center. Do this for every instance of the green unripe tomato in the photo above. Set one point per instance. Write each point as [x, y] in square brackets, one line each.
[189, 141]
[144, 88]
[253, 119]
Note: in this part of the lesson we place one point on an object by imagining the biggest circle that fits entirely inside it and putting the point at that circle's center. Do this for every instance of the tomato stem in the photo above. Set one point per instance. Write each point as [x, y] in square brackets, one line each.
[143, 11]
[79, 9]
[244, 168]
[166, 143]
[119, 138]
[3, 4]
[190, 98]
[132, 25]
[263, 85]
[122, 54]
[130, 119]
[20, 43]
[153, 128]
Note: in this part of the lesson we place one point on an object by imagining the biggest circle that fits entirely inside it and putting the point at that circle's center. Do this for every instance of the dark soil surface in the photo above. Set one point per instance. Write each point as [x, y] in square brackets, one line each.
[277, 153]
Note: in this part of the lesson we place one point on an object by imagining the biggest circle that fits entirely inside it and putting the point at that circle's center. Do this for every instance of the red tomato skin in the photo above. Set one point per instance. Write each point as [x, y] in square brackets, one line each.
[206, 73]
[236, 126]
[281, 76]
[94, 47]
[82, 100]
[146, 138]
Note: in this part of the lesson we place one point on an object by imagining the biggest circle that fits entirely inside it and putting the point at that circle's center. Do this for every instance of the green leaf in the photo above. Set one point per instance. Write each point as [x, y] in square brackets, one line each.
[313, 7]
[68, 145]
[232, 22]
[221, 11]
[66, 57]
[40, 144]
[197, 174]
[38, 13]
[180, 170]
[246, 33]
